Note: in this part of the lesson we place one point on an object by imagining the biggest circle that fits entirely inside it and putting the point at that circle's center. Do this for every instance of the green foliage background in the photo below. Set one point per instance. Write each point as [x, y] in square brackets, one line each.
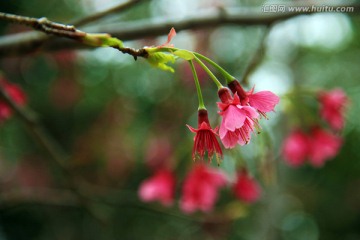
[104, 109]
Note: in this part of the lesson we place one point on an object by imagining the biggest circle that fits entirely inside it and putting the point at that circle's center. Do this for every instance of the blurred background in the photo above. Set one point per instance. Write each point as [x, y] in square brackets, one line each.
[114, 117]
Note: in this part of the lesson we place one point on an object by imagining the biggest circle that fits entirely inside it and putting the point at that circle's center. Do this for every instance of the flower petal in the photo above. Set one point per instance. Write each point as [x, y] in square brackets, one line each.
[263, 101]
[233, 118]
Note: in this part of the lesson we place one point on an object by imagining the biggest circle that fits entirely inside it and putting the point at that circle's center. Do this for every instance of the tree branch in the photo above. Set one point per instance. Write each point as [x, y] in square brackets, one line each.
[256, 59]
[96, 16]
[33, 125]
[44, 25]
[23, 43]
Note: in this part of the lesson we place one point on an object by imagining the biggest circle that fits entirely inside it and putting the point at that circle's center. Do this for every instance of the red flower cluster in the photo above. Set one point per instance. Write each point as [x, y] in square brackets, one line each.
[15, 93]
[200, 189]
[241, 112]
[319, 145]
[332, 107]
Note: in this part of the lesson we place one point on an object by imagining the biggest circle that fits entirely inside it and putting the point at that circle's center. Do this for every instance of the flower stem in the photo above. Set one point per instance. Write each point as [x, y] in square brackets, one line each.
[198, 88]
[207, 70]
[226, 75]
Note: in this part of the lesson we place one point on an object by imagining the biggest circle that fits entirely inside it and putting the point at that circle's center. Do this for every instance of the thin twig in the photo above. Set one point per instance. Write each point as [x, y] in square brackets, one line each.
[257, 57]
[33, 125]
[96, 16]
[77, 186]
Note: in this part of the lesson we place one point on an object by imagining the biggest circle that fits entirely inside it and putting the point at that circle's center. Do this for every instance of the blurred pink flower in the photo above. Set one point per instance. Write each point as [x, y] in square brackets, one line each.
[318, 146]
[159, 187]
[200, 189]
[237, 121]
[205, 138]
[246, 188]
[263, 101]
[323, 145]
[295, 148]
[15, 93]
[332, 107]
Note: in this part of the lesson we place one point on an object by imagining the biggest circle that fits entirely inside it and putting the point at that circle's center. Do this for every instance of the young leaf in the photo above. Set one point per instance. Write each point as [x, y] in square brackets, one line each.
[184, 54]
[159, 60]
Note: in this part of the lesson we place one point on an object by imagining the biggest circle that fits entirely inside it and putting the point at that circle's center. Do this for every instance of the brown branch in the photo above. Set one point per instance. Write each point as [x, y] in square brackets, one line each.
[69, 31]
[44, 25]
[96, 16]
[23, 43]
[14, 197]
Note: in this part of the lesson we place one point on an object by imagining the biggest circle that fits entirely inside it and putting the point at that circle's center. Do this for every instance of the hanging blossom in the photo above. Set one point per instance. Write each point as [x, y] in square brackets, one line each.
[246, 188]
[205, 139]
[15, 93]
[295, 148]
[323, 146]
[317, 146]
[332, 109]
[159, 187]
[263, 101]
[200, 188]
[238, 122]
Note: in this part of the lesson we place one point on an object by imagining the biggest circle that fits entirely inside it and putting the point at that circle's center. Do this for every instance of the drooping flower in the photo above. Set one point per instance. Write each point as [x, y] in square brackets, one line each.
[159, 187]
[323, 146]
[263, 101]
[205, 139]
[15, 93]
[295, 148]
[246, 188]
[237, 121]
[200, 189]
[332, 107]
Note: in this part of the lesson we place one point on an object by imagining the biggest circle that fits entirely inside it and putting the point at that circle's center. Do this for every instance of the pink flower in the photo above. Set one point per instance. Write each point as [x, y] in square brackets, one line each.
[205, 138]
[171, 34]
[295, 148]
[318, 146]
[323, 145]
[263, 101]
[15, 93]
[246, 188]
[200, 189]
[159, 187]
[332, 107]
[238, 121]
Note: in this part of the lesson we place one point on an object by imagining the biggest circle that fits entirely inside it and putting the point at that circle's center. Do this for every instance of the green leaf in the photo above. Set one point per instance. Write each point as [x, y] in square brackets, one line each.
[184, 54]
[160, 60]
